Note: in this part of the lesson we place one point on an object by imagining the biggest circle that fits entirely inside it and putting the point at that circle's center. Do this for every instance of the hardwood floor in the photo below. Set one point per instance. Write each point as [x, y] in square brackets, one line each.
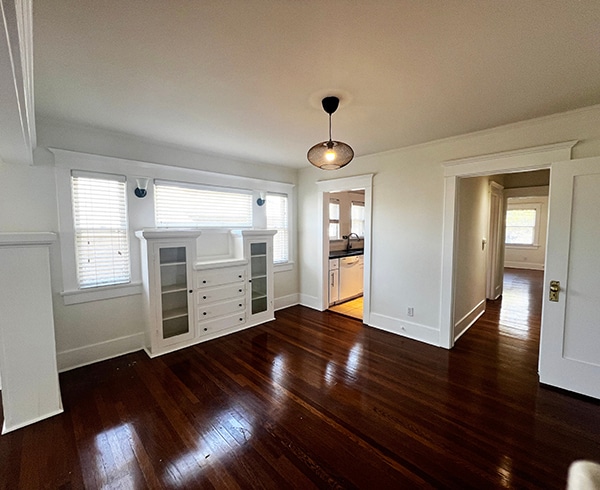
[317, 400]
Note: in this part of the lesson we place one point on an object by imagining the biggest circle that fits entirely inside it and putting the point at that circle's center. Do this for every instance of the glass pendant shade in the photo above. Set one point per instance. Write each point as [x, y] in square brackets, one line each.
[330, 155]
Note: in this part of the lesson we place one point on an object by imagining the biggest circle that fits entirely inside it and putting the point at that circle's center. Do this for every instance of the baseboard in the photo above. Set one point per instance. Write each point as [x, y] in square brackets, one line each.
[89, 354]
[6, 428]
[310, 302]
[524, 265]
[469, 319]
[286, 301]
[415, 331]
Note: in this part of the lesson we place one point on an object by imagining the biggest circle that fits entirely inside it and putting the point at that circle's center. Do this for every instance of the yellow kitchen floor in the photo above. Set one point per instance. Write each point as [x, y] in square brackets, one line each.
[353, 308]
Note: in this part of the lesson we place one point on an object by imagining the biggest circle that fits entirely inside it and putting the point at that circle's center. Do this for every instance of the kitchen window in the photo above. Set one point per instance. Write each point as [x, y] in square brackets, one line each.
[357, 216]
[334, 219]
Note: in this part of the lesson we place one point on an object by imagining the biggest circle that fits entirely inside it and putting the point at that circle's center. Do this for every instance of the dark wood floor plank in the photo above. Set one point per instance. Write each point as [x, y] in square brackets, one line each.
[317, 400]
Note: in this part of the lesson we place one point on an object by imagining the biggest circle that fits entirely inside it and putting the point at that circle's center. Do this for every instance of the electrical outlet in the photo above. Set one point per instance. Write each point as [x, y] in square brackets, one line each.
[411, 311]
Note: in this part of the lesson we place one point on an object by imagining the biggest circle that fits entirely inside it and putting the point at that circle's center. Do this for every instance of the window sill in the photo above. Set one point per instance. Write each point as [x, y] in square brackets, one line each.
[522, 247]
[77, 296]
[286, 266]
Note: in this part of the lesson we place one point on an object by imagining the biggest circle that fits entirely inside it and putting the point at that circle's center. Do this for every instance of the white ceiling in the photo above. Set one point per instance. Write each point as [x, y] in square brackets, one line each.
[244, 78]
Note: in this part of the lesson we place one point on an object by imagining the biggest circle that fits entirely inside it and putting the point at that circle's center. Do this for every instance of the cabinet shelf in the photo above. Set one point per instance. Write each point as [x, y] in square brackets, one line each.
[167, 264]
[258, 276]
[173, 288]
[175, 313]
[258, 295]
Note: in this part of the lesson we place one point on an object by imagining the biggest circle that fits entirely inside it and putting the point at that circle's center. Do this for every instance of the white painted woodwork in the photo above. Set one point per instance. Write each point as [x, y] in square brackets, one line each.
[30, 388]
[227, 284]
[533, 158]
[17, 118]
[569, 352]
[495, 262]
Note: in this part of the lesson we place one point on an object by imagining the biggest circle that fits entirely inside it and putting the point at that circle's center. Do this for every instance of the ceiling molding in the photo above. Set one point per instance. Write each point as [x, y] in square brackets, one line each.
[17, 119]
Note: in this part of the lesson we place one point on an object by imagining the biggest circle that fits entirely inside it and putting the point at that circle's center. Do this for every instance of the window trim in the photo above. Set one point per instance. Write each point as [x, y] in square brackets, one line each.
[141, 212]
[516, 203]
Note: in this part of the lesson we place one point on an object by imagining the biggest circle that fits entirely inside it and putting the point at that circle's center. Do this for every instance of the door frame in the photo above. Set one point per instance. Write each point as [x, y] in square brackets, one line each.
[534, 158]
[495, 251]
[337, 185]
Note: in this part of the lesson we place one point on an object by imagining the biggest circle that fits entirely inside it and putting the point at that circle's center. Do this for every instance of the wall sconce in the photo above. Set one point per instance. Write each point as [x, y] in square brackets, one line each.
[262, 199]
[142, 187]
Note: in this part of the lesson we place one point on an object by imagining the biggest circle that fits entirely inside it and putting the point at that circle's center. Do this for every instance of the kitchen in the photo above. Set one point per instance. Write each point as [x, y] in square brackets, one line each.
[346, 252]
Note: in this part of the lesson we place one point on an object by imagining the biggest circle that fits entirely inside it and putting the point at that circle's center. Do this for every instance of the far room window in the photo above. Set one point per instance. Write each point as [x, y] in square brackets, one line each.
[522, 223]
[334, 219]
[357, 215]
[278, 219]
[101, 230]
[181, 205]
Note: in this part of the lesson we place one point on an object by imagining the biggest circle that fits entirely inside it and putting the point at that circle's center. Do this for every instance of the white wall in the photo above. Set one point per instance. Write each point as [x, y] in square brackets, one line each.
[471, 254]
[408, 197]
[90, 331]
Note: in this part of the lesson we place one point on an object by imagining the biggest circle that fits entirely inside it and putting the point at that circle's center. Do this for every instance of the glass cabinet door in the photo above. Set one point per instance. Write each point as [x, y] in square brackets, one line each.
[174, 291]
[258, 276]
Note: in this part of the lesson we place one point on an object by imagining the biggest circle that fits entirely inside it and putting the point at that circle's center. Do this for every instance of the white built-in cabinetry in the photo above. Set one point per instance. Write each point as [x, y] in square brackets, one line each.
[203, 283]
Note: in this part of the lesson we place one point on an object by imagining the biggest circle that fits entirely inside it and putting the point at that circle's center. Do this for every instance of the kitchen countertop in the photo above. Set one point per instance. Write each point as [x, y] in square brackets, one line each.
[336, 254]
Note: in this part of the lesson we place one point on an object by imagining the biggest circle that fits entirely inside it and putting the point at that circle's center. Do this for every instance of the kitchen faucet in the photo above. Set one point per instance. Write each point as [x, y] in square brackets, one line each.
[349, 236]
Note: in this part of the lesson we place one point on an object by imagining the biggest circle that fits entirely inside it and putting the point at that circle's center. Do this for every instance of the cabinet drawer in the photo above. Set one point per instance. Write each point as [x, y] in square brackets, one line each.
[223, 293]
[219, 309]
[217, 277]
[211, 326]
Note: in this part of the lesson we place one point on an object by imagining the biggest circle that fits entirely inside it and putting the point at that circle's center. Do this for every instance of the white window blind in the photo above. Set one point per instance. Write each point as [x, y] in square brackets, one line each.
[181, 205]
[357, 216]
[277, 219]
[101, 230]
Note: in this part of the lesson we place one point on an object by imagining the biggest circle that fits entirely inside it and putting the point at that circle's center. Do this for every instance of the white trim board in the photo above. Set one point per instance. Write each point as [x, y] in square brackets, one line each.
[534, 158]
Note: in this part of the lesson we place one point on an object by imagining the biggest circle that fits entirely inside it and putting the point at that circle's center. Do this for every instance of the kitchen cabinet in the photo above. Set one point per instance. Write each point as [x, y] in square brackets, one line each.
[334, 292]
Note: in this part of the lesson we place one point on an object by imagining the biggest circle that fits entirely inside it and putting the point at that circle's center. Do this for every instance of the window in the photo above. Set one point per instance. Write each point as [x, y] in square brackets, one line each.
[334, 219]
[277, 219]
[357, 216]
[100, 228]
[522, 223]
[182, 205]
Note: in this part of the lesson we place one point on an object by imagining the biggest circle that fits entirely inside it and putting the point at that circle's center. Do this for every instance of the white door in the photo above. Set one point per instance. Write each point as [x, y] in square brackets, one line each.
[570, 338]
[495, 266]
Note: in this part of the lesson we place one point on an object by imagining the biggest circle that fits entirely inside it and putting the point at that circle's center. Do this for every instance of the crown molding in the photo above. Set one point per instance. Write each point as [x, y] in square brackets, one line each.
[17, 118]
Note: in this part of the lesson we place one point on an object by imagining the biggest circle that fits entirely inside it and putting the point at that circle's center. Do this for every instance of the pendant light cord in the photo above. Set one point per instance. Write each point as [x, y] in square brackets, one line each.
[329, 127]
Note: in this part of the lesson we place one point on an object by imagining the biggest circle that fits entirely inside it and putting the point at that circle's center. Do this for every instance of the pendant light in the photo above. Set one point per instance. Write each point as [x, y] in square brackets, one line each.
[330, 155]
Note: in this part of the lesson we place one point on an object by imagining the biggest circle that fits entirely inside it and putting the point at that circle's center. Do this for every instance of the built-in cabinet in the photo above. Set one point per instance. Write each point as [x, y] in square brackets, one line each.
[200, 284]
[174, 276]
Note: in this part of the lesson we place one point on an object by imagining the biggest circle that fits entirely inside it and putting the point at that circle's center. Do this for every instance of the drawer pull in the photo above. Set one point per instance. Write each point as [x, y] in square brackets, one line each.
[205, 329]
[191, 290]
[240, 276]
[240, 305]
[239, 290]
[203, 297]
[204, 313]
[204, 282]
[241, 319]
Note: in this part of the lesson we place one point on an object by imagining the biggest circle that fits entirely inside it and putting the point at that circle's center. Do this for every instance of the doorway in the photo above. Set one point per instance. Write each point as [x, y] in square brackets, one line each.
[355, 250]
[486, 165]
